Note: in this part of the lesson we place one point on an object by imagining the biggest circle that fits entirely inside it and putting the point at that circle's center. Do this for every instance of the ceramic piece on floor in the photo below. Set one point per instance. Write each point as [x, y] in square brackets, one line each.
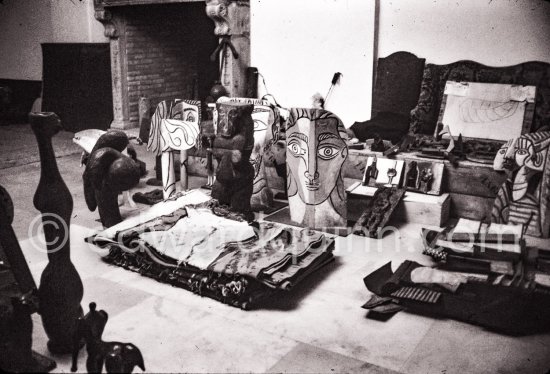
[316, 152]
[61, 289]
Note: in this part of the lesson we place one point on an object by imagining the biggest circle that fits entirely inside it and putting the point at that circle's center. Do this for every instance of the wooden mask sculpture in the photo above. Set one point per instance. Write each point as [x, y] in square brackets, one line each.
[232, 147]
[174, 127]
[265, 117]
[118, 357]
[524, 197]
[316, 152]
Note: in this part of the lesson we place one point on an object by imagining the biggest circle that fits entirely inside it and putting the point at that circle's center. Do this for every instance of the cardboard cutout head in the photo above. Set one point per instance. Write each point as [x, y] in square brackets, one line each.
[316, 152]
[523, 199]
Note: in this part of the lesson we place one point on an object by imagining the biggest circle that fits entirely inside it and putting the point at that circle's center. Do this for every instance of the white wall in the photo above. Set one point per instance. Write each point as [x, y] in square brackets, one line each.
[24, 24]
[493, 32]
[74, 22]
[297, 45]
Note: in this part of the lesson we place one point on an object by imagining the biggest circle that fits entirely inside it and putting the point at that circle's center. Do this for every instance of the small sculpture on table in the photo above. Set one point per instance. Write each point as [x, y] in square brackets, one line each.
[232, 147]
[60, 288]
[316, 152]
[118, 357]
[426, 178]
[109, 172]
[412, 178]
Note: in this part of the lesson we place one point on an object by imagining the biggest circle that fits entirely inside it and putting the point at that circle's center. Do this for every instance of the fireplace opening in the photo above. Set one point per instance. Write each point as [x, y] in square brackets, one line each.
[168, 48]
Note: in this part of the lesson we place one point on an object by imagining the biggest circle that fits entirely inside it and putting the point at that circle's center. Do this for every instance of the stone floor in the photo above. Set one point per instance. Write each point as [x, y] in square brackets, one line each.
[319, 326]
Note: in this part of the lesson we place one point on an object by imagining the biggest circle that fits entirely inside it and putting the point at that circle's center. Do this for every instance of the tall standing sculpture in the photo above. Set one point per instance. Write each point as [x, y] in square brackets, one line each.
[16, 326]
[316, 151]
[60, 290]
[232, 147]
[265, 116]
[174, 127]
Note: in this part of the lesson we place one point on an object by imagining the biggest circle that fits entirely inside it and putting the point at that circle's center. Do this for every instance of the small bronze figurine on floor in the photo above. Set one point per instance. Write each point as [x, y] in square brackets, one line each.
[60, 288]
[232, 147]
[118, 357]
[108, 173]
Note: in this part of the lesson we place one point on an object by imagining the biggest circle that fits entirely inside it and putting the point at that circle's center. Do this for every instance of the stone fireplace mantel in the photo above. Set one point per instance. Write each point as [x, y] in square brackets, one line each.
[231, 22]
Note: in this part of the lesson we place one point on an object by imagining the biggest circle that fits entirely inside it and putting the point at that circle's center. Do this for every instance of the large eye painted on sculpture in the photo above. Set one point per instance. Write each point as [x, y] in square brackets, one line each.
[190, 117]
[327, 152]
[295, 148]
[521, 152]
[259, 125]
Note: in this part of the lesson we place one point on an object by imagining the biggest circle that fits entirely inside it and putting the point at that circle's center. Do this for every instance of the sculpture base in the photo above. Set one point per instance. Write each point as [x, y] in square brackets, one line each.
[59, 348]
[41, 364]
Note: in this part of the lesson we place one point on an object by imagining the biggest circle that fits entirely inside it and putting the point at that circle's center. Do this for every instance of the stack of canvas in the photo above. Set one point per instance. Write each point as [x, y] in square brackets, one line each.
[476, 246]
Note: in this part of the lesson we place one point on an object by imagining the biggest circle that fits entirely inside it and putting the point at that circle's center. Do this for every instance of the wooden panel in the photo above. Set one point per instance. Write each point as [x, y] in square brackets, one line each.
[397, 83]
[77, 84]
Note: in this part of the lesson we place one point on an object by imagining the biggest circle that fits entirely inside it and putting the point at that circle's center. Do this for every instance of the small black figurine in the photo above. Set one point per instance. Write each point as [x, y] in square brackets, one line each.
[118, 357]
[378, 144]
[412, 176]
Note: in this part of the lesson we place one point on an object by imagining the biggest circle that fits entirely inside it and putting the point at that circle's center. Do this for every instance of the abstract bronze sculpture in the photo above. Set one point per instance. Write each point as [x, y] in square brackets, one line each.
[232, 147]
[109, 172]
[16, 325]
[316, 152]
[60, 288]
[118, 357]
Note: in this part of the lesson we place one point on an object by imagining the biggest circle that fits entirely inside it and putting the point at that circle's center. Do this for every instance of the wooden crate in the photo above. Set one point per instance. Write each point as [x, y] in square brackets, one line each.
[424, 209]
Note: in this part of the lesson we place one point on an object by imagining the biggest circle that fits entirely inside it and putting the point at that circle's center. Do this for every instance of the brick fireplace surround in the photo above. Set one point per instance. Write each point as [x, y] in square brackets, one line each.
[160, 49]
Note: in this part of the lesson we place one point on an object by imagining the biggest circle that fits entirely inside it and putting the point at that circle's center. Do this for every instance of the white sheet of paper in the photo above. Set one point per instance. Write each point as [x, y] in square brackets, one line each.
[486, 111]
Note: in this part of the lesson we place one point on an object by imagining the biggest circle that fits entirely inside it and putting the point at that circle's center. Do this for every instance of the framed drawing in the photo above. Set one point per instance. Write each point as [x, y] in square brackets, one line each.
[487, 111]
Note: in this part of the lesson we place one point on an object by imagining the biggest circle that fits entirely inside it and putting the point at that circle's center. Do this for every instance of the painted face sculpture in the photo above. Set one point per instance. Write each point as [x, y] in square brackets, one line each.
[264, 116]
[523, 199]
[316, 153]
[174, 127]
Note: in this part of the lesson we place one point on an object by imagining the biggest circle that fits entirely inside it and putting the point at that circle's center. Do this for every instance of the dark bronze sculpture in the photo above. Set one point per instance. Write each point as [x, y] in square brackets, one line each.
[108, 173]
[117, 357]
[232, 147]
[16, 306]
[60, 288]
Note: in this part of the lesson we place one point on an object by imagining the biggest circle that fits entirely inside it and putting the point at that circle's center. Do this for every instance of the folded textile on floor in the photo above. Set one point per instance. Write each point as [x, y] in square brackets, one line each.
[518, 308]
[193, 243]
